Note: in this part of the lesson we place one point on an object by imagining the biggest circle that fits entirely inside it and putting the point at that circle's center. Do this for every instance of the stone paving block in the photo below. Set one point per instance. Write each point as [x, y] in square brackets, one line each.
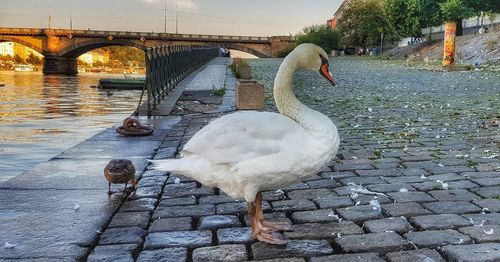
[473, 253]
[359, 257]
[437, 238]
[480, 174]
[176, 179]
[422, 255]
[492, 205]
[274, 216]
[404, 179]
[288, 259]
[488, 181]
[408, 209]
[449, 169]
[373, 242]
[218, 221]
[379, 172]
[362, 180]
[299, 185]
[417, 172]
[453, 195]
[273, 195]
[360, 213]
[451, 207]
[336, 175]
[316, 216]
[433, 185]
[447, 177]
[185, 189]
[443, 221]
[152, 181]
[486, 219]
[122, 235]
[221, 253]
[323, 231]
[293, 205]
[130, 219]
[171, 224]
[215, 200]
[333, 201]
[322, 183]
[308, 193]
[361, 199]
[185, 211]
[142, 204]
[175, 254]
[344, 190]
[236, 207]
[178, 239]
[150, 192]
[488, 192]
[234, 235]
[420, 164]
[179, 201]
[124, 252]
[482, 234]
[393, 187]
[395, 224]
[351, 167]
[411, 196]
[294, 248]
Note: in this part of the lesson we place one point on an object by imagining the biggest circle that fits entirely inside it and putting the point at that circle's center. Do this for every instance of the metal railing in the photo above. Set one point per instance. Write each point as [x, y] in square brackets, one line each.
[166, 66]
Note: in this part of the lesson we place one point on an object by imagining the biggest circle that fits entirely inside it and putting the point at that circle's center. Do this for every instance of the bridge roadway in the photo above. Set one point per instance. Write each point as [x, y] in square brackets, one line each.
[61, 47]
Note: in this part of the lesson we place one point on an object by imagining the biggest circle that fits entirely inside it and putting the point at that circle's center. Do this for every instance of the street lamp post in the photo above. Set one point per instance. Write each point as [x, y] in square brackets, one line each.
[177, 19]
[165, 25]
[70, 16]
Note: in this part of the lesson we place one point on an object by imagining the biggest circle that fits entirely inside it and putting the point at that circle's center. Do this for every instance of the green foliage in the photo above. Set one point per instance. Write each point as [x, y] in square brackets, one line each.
[218, 91]
[407, 17]
[320, 35]
[18, 59]
[33, 59]
[237, 63]
[452, 10]
[126, 54]
[362, 23]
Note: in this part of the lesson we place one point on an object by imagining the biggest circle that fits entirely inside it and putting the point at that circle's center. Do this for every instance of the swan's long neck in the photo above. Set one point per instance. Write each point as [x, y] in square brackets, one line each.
[287, 103]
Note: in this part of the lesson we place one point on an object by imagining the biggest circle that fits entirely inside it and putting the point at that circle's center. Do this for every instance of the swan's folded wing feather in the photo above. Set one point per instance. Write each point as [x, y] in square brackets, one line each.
[241, 136]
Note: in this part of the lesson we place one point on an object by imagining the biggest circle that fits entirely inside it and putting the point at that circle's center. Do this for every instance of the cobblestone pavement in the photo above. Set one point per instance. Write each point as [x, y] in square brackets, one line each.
[416, 179]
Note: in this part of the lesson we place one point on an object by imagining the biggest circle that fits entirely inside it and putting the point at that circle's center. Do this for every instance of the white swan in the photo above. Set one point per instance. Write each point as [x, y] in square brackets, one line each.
[247, 152]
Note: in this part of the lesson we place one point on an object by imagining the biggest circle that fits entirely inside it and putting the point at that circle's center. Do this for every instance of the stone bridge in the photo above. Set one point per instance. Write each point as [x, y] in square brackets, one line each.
[61, 47]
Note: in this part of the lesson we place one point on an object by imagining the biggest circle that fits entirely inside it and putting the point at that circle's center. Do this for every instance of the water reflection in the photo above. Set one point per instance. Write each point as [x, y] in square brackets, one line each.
[40, 116]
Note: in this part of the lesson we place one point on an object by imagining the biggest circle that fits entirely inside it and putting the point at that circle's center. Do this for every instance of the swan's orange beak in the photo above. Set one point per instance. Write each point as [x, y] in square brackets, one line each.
[325, 72]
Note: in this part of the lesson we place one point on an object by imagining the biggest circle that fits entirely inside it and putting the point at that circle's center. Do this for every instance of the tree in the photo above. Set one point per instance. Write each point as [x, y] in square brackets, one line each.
[320, 35]
[408, 17]
[362, 23]
[18, 59]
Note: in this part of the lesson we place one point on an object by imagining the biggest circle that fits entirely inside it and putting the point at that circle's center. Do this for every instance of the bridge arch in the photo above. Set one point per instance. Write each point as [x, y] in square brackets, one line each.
[82, 47]
[33, 43]
[244, 48]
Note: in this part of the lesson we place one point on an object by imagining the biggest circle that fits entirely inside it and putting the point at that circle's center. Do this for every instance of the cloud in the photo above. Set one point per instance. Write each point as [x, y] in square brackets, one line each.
[182, 4]
[186, 5]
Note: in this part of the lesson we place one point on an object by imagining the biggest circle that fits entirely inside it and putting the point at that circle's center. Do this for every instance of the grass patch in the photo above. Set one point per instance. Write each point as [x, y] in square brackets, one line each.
[221, 91]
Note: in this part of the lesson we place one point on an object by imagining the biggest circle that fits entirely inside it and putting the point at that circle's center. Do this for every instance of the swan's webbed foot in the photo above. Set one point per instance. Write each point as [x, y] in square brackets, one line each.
[277, 226]
[263, 230]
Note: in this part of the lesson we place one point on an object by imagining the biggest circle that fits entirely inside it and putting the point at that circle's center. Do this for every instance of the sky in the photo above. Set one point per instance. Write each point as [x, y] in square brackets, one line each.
[226, 17]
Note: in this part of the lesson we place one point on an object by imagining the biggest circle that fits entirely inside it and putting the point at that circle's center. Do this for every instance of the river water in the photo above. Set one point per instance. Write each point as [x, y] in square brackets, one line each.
[41, 116]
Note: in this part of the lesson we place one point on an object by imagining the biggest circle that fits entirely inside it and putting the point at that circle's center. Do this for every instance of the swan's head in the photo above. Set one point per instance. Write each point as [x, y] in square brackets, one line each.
[311, 56]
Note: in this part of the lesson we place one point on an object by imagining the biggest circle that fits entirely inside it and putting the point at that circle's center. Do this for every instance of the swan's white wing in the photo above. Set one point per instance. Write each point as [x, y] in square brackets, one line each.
[242, 136]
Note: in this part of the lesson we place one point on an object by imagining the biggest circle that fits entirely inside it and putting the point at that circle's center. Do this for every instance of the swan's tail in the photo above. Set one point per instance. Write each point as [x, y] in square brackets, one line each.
[167, 165]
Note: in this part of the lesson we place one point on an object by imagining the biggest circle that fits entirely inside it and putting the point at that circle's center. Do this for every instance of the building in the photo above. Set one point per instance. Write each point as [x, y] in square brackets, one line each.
[332, 22]
[7, 48]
